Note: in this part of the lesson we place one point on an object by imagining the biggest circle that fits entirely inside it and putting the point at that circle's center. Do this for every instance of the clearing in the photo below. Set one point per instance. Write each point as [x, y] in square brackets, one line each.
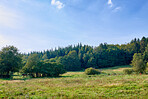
[76, 85]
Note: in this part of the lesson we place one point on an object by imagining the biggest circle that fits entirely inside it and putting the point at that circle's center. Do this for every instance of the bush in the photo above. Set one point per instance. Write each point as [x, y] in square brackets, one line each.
[92, 71]
[128, 71]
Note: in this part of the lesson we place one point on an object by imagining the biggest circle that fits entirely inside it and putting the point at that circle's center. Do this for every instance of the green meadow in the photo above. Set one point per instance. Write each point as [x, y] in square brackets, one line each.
[110, 84]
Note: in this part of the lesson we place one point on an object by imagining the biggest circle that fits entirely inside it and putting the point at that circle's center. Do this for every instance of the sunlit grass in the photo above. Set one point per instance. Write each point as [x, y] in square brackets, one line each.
[76, 85]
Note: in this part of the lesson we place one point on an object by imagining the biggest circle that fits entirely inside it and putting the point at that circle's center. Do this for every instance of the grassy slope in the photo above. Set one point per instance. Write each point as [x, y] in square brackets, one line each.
[111, 84]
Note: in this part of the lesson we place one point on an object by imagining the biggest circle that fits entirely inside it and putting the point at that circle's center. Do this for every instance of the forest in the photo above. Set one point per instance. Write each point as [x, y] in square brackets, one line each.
[79, 57]
[72, 58]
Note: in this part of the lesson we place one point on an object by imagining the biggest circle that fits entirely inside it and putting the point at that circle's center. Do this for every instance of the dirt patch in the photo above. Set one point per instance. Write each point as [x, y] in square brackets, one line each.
[12, 81]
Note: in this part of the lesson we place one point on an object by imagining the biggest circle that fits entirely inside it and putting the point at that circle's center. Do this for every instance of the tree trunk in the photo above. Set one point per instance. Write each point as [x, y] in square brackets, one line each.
[37, 74]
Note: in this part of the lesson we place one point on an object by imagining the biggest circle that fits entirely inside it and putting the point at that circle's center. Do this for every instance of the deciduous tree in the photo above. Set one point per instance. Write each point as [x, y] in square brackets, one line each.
[10, 60]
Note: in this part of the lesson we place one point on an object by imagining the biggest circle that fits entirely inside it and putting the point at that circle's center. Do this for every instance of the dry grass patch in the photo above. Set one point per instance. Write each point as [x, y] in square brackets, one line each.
[112, 84]
[120, 69]
[12, 81]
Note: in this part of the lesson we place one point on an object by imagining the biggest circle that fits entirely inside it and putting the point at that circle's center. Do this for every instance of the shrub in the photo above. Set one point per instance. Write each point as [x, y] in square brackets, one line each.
[92, 71]
[128, 71]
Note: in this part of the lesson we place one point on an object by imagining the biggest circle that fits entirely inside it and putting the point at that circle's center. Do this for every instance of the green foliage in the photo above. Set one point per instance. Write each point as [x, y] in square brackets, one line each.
[128, 71]
[32, 64]
[92, 63]
[138, 63]
[147, 67]
[80, 56]
[44, 57]
[10, 60]
[71, 61]
[92, 71]
[109, 55]
[51, 69]
[37, 68]
[145, 54]
[143, 44]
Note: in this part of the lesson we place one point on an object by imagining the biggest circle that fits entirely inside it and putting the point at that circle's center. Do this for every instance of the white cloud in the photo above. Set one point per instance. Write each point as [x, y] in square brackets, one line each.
[117, 9]
[58, 4]
[113, 7]
[110, 3]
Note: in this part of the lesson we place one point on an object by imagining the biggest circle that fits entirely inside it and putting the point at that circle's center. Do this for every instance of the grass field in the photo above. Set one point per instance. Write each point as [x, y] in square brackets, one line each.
[111, 84]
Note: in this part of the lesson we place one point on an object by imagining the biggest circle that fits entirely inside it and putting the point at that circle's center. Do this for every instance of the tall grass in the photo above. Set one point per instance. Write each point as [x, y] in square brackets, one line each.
[76, 85]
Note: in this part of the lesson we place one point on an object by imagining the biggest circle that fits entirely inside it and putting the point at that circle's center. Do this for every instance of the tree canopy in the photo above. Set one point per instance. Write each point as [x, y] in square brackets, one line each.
[138, 63]
[10, 60]
[80, 56]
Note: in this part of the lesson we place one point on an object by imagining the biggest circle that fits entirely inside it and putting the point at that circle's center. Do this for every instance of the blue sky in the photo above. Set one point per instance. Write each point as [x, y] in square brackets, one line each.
[35, 25]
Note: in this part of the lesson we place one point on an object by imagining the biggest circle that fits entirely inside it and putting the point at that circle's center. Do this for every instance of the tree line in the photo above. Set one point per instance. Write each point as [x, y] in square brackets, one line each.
[72, 58]
[79, 57]
[11, 61]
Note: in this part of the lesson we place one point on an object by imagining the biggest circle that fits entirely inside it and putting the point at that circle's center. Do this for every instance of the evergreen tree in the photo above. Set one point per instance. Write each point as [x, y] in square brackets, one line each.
[145, 54]
[143, 44]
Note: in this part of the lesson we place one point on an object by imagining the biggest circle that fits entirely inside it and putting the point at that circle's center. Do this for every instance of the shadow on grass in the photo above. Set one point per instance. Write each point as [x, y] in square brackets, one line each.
[29, 78]
[5, 79]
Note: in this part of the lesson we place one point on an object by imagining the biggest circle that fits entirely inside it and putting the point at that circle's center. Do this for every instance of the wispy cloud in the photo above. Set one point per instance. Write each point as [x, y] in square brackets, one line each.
[117, 9]
[58, 4]
[110, 3]
[8, 18]
[113, 7]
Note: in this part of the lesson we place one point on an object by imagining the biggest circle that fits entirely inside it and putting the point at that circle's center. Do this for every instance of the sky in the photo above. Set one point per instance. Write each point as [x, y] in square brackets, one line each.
[37, 25]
